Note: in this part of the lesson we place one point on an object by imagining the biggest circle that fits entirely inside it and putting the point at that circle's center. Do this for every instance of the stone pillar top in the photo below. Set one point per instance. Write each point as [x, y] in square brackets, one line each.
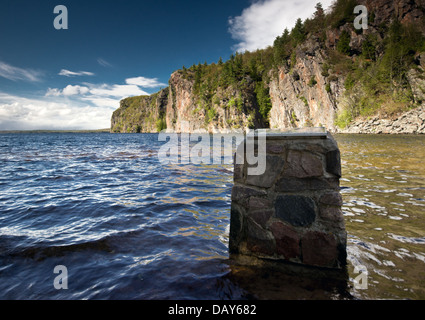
[298, 133]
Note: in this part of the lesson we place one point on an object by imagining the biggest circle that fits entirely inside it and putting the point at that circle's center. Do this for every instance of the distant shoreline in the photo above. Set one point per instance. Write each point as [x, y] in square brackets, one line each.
[56, 131]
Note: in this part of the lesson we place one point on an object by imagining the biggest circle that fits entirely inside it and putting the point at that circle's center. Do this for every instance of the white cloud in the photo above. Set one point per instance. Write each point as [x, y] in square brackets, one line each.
[145, 82]
[74, 90]
[116, 90]
[83, 106]
[18, 113]
[53, 92]
[93, 91]
[103, 101]
[14, 73]
[259, 25]
[68, 73]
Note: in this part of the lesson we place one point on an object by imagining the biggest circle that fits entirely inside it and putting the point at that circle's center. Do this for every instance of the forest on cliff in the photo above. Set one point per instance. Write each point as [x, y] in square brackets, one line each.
[351, 72]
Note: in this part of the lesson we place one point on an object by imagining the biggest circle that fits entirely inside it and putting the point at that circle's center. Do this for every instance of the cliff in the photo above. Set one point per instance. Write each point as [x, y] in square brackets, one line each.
[323, 72]
[142, 114]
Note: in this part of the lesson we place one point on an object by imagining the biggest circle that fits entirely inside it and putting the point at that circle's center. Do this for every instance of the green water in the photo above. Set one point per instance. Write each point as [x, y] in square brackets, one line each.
[383, 188]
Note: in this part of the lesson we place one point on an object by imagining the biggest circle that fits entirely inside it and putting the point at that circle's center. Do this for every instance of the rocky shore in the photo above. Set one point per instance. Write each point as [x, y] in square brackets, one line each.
[410, 122]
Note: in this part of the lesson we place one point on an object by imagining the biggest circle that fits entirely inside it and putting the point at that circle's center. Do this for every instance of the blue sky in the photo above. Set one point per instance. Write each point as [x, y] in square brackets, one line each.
[75, 78]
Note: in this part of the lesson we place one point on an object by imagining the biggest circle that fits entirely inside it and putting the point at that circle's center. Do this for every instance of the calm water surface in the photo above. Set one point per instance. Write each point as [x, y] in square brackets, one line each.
[128, 228]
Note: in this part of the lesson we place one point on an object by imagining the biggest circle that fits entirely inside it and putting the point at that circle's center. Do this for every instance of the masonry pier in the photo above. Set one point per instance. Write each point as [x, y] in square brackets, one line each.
[292, 212]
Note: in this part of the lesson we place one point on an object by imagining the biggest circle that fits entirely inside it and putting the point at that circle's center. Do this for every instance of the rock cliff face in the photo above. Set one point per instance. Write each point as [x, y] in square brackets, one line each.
[303, 91]
[186, 113]
[178, 108]
[300, 97]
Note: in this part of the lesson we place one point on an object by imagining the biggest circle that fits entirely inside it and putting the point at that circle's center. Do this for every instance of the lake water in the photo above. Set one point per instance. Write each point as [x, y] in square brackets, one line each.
[127, 227]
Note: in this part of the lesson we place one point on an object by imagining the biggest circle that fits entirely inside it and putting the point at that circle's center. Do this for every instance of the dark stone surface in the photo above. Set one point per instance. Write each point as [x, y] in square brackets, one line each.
[291, 185]
[333, 163]
[287, 240]
[262, 216]
[259, 203]
[319, 249]
[235, 234]
[299, 211]
[238, 174]
[299, 185]
[323, 183]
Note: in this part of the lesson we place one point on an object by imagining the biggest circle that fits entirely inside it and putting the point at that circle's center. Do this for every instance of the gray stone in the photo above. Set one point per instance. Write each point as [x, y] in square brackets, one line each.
[299, 211]
[332, 199]
[259, 240]
[259, 203]
[333, 214]
[274, 166]
[242, 194]
[303, 165]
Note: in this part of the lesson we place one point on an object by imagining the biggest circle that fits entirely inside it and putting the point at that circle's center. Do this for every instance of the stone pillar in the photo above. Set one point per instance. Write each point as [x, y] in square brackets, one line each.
[293, 211]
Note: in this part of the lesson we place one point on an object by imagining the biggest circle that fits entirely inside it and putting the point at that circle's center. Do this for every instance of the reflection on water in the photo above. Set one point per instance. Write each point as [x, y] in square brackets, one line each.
[383, 188]
[127, 227]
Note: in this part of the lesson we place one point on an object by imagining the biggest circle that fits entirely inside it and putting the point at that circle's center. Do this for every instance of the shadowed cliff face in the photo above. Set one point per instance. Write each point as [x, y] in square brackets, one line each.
[312, 85]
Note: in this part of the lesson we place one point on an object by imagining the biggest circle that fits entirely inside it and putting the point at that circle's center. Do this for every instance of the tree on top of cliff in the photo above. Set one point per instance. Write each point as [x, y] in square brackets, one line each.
[342, 12]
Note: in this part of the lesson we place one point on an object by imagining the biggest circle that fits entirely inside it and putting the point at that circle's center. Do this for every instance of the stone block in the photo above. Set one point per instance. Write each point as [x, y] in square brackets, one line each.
[259, 203]
[259, 240]
[260, 210]
[329, 213]
[319, 249]
[274, 149]
[287, 240]
[261, 217]
[303, 165]
[299, 211]
[242, 194]
[274, 167]
[331, 199]
[291, 185]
